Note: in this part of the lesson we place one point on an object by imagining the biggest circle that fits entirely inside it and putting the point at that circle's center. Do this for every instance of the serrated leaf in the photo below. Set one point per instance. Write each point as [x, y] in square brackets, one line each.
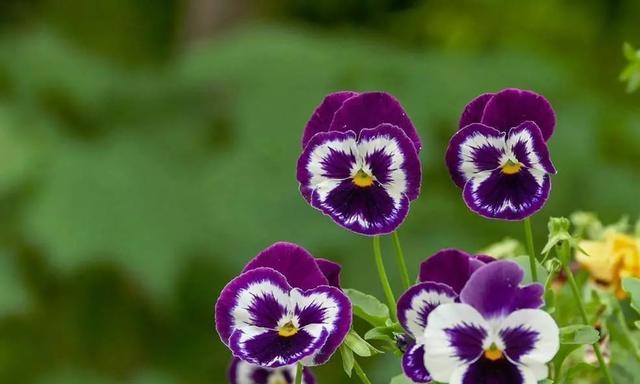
[348, 360]
[368, 307]
[579, 334]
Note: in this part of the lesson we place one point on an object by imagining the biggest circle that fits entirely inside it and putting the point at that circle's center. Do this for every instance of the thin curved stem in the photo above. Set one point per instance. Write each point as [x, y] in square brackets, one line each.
[384, 280]
[585, 318]
[360, 372]
[531, 249]
[299, 373]
[402, 264]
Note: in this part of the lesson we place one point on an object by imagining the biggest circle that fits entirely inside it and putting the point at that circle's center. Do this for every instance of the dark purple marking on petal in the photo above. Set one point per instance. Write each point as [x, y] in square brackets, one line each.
[428, 296]
[466, 339]
[451, 267]
[321, 119]
[336, 164]
[338, 328]
[368, 211]
[413, 365]
[381, 162]
[486, 371]
[494, 290]
[474, 110]
[330, 270]
[484, 156]
[538, 147]
[370, 109]
[228, 298]
[297, 265]
[242, 372]
[511, 107]
[271, 350]
[519, 341]
[507, 197]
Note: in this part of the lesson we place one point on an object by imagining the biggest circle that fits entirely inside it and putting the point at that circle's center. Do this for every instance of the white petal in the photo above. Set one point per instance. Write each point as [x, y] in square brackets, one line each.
[315, 165]
[547, 340]
[468, 148]
[397, 184]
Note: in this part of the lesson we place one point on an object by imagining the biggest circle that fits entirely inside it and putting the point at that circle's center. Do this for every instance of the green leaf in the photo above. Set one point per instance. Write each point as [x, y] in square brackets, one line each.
[348, 360]
[525, 264]
[632, 286]
[558, 232]
[578, 371]
[360, 346]
[505, 248]
[550, 301]
[629, 52]
[400, 379]
[579, 334]
[368, 307]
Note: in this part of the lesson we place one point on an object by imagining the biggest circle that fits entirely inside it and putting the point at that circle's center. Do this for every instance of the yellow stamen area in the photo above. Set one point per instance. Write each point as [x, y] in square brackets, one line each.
[288, 330]
[493, 353]
[511, 168]
[362, 179]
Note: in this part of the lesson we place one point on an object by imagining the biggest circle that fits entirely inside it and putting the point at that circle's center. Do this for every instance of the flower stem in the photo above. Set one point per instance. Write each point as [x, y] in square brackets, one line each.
[299, 374]
[363, 376]
[530, 249]
[402, 264]
[384, 280]
[585, 317]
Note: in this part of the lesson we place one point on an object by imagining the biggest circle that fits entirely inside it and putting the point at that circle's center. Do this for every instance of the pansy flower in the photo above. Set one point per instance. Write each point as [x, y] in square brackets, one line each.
[281, 310]
[359, 163]
[495, 334]
[499, 157]
[442, 277]
[242, 372]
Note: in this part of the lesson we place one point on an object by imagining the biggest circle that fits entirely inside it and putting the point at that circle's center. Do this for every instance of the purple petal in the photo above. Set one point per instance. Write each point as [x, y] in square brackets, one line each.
[511, 107]
[370, 109]
[491, 372]
[296, 264]
[474, 149]
[494, 290]
[496, 195]
[330, 270]
[254, 298]
[415, 305]
[451, 267]
[474, 110]
[327, 308]
[527, 144]
[413, 365]
[321, 119]
[269, 349]
[242, 372]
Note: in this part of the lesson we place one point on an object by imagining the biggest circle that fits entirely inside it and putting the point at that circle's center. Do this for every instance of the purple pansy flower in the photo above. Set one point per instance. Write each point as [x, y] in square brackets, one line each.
[495, 334]
[281, 310]
[499, 157]
[360, 162]
[242, 372]
[442, 277]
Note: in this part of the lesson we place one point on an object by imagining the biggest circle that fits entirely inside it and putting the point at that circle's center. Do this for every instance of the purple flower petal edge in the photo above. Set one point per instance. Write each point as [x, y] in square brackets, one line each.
[473, 111]
[451, 267]
[322, 117]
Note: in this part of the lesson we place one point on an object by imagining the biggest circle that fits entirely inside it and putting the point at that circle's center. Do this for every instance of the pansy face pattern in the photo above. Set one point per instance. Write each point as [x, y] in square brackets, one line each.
[266, 322]
[495, 334]
[242, 372]
[363, 182]
[504, 175]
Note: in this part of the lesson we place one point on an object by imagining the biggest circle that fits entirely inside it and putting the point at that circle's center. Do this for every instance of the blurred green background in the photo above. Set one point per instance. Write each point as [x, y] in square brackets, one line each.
[147, 151]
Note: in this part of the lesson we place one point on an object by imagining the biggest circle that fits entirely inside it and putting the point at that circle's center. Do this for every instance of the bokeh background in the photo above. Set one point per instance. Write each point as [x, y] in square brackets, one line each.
[148, 148]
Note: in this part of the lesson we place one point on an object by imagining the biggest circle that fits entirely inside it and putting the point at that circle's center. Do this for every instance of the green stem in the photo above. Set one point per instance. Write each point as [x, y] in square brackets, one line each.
[299, 374]
[363, 376]
[585, 317]
[402, 264]
[530, 249]
[384, 280]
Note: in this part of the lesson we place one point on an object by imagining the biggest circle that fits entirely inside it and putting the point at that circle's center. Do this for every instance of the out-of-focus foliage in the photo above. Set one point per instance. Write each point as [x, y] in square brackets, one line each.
[631, 73]
[139, 171]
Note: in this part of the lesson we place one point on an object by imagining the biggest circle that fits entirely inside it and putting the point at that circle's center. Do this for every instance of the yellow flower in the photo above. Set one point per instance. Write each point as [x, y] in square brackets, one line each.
[610, 260]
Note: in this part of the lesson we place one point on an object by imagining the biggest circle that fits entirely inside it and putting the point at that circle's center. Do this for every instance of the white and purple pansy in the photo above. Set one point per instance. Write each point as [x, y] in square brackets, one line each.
[499, 157]
[242, 372]
[281, 310]
[442, 277]
[495, 334]
[360, 162]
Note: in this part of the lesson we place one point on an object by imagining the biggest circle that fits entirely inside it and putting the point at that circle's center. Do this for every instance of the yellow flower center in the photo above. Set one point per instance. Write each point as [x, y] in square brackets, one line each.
[511, 168]
[362, 179]
[288, 330]
[493, 353]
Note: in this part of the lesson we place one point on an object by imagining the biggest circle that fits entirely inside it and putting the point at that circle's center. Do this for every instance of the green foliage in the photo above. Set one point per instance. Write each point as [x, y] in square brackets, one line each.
[631, 73]
[579, 334]
[368, 308]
